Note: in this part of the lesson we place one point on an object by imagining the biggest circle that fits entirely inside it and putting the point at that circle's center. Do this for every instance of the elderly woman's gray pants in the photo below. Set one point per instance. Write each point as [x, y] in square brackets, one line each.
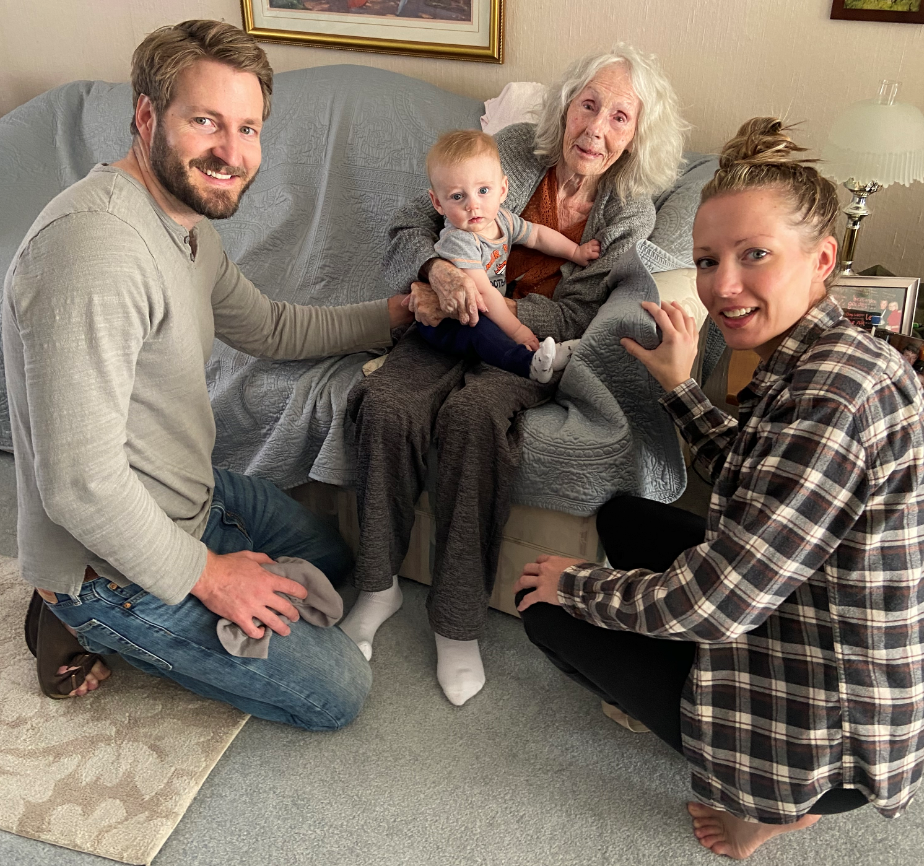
[472, 410]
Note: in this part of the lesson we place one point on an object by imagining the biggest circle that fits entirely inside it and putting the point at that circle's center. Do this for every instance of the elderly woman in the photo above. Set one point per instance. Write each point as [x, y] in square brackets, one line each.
[779, 644]
[610, 136]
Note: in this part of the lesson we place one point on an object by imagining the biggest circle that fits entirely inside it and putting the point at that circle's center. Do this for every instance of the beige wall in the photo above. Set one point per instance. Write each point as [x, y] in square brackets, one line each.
[729, 60]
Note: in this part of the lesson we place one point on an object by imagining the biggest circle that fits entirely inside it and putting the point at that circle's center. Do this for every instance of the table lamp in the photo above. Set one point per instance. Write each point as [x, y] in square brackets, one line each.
[872, 144]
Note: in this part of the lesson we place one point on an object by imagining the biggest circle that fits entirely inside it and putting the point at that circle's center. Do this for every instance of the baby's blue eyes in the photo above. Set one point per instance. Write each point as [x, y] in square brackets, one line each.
[458, 196]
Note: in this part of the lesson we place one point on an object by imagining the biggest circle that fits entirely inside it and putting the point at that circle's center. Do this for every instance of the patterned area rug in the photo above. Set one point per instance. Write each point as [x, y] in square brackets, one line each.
[110, 774]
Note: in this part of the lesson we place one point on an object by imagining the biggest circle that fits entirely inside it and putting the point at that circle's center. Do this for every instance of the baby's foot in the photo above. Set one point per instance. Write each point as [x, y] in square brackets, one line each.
[563, 353]
[540, 369]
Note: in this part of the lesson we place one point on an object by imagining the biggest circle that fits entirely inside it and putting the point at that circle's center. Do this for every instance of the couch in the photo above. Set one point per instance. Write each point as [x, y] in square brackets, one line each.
[343, 149]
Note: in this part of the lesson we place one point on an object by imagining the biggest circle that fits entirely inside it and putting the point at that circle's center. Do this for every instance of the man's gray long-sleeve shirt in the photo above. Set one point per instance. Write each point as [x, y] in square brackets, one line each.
[108, 319]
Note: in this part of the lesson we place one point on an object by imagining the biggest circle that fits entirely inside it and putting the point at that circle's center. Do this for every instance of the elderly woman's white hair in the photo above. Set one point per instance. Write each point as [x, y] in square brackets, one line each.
[654, 161]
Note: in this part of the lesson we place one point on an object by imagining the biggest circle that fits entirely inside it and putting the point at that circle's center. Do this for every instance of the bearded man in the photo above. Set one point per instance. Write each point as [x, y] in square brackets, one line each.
[134, 543]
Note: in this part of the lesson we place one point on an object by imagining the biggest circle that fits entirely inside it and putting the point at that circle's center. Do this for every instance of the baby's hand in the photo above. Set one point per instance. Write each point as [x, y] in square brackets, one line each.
[525, 336]
[587, 253]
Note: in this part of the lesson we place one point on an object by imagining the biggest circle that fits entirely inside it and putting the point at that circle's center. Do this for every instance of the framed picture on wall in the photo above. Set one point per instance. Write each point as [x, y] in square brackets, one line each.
[448, 29]
[892, 299]
[896, 11]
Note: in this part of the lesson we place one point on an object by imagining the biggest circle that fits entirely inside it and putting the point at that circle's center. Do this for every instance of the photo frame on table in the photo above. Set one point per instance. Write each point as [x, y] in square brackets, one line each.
[447, 29]
[894, 11]
[893, 299]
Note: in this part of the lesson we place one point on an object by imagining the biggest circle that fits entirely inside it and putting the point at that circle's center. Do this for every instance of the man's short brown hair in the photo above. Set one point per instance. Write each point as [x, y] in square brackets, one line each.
[168, 51]
[454, 147]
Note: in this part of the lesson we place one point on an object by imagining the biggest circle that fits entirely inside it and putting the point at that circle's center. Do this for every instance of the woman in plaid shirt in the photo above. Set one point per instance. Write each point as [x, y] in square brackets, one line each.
[779, 644]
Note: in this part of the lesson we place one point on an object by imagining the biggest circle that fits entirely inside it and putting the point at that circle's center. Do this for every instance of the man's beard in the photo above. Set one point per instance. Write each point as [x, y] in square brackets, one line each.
[217, 204]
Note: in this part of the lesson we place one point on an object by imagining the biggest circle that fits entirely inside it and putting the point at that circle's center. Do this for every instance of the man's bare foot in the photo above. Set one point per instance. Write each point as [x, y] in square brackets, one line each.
[723, 833]
[94, 677]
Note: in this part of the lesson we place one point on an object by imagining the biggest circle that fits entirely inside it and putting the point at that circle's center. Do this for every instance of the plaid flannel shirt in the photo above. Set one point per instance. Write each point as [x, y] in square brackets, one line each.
[806, 599]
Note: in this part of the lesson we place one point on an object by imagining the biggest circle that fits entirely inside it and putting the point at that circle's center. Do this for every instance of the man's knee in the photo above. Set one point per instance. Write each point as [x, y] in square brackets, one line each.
[344, 692]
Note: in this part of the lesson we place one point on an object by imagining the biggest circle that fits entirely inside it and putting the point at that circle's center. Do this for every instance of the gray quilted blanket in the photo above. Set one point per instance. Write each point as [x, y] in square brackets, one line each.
[343, 149]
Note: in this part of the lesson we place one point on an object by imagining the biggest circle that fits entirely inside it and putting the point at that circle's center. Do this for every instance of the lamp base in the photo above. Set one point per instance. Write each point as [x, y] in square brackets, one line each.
[855, 212]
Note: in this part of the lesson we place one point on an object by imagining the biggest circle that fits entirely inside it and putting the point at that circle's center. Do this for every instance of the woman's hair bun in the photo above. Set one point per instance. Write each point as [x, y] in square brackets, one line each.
[760, 141]
[763, 156]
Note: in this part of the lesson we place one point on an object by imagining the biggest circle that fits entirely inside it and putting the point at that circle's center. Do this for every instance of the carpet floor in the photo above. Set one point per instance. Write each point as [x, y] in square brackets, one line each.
[110, 774]
[528, 773]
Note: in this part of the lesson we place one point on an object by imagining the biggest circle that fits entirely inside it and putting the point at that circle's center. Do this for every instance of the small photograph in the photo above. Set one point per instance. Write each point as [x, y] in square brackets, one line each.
[866, 308]
[445, 10]
[887, 303]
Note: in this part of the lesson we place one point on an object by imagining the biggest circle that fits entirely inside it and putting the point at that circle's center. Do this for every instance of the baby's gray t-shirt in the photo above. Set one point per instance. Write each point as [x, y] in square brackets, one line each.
[468, 250]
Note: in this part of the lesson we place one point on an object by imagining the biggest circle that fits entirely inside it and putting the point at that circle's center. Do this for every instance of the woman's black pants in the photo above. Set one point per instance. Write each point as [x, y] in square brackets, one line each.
[641, 675]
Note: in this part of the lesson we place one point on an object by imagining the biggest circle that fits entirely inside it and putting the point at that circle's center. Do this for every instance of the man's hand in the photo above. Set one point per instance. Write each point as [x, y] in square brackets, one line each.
[458, 294]
[542, 577]
[237, 587]
[672, 361]
[398, 312]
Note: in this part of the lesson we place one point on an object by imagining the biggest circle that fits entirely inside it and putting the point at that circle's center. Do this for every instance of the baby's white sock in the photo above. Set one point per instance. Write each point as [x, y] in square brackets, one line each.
[563, 352]
[540, 369]
[369, 612]
[458, 668]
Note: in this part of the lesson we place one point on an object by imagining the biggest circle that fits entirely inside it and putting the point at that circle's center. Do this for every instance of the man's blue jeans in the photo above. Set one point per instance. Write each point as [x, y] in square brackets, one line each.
[315, 678]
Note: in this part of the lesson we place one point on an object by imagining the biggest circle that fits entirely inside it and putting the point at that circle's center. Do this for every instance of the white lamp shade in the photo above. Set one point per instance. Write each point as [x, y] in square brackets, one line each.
[871, 142]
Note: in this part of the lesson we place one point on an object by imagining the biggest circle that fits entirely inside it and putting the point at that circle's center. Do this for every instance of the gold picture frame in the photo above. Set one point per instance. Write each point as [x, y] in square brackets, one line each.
[370, 25]
[894, 11]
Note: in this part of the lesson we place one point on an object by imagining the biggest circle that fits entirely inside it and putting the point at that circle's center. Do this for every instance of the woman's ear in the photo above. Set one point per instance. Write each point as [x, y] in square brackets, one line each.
[827, 258]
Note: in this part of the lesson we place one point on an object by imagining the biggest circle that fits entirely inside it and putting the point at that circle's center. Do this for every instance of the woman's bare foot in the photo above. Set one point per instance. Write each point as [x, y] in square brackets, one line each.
[723, 833]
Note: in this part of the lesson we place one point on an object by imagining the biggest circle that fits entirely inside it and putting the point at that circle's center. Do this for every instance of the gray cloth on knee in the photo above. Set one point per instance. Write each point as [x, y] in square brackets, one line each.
[321, 607]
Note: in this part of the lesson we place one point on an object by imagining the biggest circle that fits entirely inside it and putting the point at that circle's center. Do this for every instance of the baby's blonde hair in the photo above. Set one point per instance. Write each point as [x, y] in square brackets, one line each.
[452, 148]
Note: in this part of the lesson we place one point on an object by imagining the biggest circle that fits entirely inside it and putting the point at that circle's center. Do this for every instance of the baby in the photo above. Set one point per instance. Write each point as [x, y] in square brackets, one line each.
[468, 187]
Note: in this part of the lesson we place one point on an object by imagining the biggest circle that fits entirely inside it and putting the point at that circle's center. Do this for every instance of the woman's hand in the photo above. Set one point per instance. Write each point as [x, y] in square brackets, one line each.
[459, 296]
[542, 578]
[425, 305]
[672, 361]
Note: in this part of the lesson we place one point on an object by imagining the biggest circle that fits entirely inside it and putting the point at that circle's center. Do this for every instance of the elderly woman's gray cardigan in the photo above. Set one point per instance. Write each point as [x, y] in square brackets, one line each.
[604, 432]
[619, 225]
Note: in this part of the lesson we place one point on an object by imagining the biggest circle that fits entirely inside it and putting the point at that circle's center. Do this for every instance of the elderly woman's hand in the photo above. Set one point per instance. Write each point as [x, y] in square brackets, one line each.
[542, 578]
[424, 303]
[672, 361]
[458, 294]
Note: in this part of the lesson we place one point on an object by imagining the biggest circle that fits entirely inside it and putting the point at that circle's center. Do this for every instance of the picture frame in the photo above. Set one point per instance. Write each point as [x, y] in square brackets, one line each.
[891, 298]
[446, 29]
[879, 10]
